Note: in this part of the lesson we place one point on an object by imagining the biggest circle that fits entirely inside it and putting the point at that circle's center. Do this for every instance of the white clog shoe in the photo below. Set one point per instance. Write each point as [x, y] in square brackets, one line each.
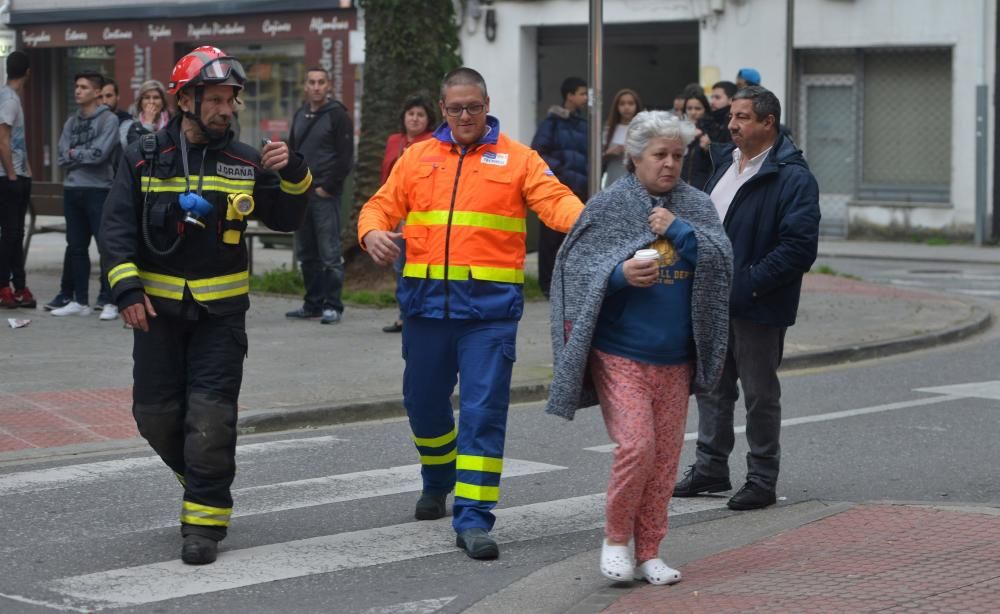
[616, 562]
[655, 571]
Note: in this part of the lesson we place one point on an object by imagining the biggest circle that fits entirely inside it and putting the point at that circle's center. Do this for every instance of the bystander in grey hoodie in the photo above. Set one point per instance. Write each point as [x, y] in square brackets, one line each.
[86, 146]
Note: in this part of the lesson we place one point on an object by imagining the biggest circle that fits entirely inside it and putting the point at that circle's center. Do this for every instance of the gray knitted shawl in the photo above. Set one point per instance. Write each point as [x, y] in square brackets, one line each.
[611, 228]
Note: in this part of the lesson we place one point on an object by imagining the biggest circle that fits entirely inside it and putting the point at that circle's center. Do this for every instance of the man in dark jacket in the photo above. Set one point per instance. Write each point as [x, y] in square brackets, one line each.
[769, 203]
[561, 140]
[323, 133]
[172, 240]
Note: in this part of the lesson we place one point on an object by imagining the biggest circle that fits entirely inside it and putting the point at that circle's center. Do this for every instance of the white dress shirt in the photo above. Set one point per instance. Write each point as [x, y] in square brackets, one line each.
[731, 182]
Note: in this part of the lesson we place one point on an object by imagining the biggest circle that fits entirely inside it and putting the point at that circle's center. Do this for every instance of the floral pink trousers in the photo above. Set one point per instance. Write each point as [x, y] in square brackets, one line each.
[645, 410]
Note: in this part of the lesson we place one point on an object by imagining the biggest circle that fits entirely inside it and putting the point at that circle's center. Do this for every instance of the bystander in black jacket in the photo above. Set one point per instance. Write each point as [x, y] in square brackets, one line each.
[326, 139]
[773, 224]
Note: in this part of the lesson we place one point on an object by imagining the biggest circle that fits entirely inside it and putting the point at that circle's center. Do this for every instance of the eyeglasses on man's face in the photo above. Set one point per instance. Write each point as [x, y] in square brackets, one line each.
[472, 109]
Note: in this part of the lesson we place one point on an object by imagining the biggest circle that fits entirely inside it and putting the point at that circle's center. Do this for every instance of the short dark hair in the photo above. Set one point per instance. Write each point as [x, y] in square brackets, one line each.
[423, 101]
[764, 102]
[109, 81]
[17, 64]
[96, 78]
[463, 75]
[318, 69]
[570, 85]
[727, 86]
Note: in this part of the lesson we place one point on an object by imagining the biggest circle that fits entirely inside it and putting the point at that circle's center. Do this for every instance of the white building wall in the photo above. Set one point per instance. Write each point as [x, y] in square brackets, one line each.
[968, 28]
[737, 33]
[747, 33]
[509, 63]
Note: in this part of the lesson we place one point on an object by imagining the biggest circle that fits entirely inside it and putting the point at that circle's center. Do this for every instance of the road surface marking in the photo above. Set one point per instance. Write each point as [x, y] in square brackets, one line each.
[156, 582]
[425, 606]
[948, 395]
[77, 475]
[254, 500]
[974, 390]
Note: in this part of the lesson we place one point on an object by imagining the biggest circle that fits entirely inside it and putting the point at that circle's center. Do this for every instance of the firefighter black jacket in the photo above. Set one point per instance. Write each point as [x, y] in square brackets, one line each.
[143, 221]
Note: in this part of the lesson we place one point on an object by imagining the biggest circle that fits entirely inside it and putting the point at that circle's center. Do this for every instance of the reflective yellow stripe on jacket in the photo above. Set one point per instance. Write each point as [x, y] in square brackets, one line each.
[464, 272]
[297, 188]
[209, 183]
[169, 286]
[122, 271]
[468, 218]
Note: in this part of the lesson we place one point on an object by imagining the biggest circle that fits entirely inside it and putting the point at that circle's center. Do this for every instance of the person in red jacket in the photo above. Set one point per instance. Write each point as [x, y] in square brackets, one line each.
[416, 123]
[464, 195]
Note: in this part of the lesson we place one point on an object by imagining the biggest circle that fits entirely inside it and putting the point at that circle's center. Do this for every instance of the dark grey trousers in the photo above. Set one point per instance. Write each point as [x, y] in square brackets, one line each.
[753, 357]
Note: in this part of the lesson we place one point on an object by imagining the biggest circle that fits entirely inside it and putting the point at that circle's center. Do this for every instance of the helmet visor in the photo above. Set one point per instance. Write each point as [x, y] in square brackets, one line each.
[222, 69]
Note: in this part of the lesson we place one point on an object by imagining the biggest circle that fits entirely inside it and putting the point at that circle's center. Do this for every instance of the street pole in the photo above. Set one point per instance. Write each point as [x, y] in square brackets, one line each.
[596, 41]
[982, 109]
[789, 63]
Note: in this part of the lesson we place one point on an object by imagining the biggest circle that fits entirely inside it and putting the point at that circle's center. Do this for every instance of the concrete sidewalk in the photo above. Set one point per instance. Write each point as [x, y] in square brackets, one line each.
[67, 380]
[909, 251]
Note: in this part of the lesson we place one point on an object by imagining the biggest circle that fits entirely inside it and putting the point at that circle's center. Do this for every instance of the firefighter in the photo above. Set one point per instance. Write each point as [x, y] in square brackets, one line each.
[173, 248]
[464, 195]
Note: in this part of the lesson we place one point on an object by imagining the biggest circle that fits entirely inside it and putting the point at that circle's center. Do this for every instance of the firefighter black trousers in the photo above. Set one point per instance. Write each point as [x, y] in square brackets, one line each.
[187, 379]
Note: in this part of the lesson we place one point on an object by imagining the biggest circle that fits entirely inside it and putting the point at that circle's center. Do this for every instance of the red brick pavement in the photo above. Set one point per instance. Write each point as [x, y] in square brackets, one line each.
[50, 419]
[872, 558]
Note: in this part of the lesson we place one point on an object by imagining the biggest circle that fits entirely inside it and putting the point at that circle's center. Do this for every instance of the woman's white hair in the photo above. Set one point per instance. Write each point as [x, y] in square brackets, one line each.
[649, 125]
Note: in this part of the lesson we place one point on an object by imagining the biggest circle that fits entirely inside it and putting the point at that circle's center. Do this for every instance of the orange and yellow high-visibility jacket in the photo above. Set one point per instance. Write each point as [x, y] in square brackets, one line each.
[465, 211]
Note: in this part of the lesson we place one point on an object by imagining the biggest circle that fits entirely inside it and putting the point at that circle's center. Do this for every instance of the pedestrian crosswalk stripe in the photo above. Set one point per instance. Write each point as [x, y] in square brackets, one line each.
[424, 606]
[311, 492]
[145, 584]
[87, 473]
[949, 393]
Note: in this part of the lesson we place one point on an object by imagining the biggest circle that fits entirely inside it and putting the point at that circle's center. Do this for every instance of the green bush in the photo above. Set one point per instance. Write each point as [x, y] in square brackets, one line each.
[278, 281]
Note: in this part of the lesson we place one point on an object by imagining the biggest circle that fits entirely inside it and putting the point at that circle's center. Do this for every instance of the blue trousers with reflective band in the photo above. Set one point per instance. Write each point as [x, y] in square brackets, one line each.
[469, 458]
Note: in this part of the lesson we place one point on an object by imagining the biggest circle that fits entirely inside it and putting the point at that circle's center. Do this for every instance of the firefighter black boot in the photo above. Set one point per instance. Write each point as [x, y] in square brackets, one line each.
[199, 550]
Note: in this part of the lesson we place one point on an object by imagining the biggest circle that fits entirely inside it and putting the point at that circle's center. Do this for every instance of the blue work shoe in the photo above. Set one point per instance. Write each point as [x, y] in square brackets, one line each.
[330, 316]
[478, 544]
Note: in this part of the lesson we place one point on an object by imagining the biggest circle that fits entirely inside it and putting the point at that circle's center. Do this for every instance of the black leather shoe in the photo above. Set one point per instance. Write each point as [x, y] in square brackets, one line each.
[395, 327]
[302, 314]
[430, 507]
[199, 550]
[478, 544]
[752, 497]
[694, 484]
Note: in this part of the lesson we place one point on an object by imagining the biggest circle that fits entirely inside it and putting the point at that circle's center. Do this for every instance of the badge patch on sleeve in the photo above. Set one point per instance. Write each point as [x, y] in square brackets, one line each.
[495, 159]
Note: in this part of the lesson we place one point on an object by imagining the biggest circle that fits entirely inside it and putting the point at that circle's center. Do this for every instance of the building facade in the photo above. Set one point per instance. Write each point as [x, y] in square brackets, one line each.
[138, 40]
[880, 94]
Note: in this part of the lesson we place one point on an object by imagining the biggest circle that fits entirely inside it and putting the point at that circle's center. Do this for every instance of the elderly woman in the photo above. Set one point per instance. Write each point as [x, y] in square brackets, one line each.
[637, 333]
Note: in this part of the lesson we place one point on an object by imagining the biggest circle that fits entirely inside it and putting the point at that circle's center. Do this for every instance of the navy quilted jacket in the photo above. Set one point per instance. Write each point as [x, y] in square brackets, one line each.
[561, 140]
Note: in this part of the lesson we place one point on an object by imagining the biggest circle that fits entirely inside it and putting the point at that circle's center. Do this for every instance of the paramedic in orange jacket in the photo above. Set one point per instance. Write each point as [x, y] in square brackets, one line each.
[463, 195]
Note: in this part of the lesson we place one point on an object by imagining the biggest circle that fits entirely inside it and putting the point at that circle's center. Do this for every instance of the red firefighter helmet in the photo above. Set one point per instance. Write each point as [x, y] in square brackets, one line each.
[206, 65]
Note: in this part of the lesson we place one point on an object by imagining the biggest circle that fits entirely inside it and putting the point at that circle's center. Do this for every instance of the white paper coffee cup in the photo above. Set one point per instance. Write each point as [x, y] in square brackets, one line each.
[647, 254]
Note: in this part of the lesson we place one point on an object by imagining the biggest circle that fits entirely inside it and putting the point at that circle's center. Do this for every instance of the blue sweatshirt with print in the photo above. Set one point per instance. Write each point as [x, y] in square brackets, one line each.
[653, 325]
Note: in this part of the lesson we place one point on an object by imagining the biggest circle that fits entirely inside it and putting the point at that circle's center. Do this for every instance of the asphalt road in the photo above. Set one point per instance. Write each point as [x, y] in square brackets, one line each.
[324, 517]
